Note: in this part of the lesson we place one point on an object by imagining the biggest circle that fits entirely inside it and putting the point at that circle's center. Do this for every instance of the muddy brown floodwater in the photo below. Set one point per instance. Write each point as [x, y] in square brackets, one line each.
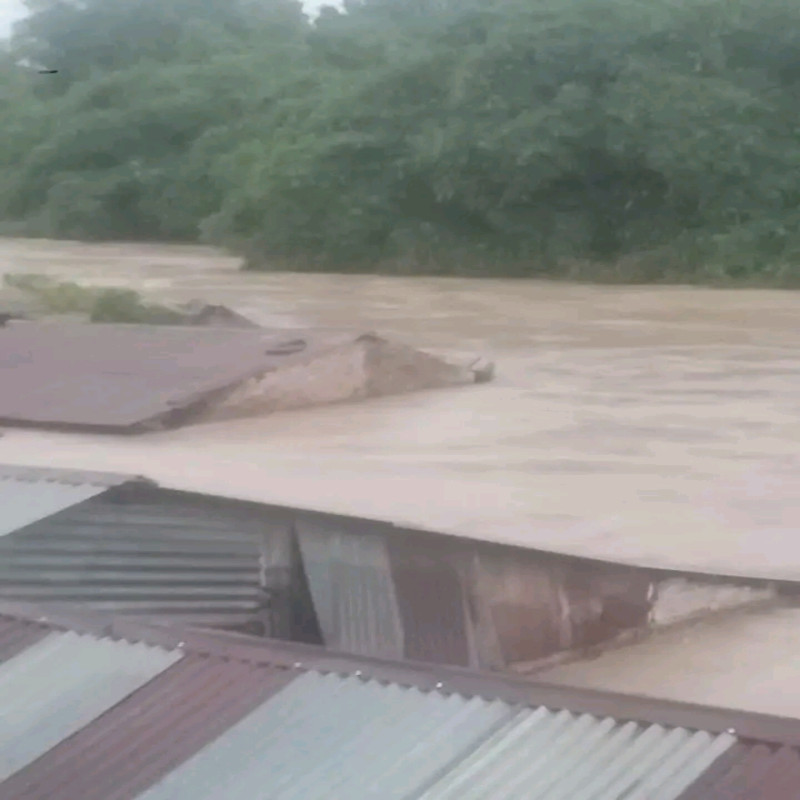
[655, 425]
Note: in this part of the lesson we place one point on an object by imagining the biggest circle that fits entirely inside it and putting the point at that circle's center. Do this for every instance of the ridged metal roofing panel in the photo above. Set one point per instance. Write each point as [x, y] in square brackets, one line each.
[52, 689]
[151, 557]
[326, 737]
[149, 733]
[27, 500]
[351, 584]
[224, 723]
[563, 756]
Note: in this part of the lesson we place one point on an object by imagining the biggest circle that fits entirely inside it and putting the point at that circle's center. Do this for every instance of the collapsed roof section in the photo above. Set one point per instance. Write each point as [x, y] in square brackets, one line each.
[127, 546]
[130, 378]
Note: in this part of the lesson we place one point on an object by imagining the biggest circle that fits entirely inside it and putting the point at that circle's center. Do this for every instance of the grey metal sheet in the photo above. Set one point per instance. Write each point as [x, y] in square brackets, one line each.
[326, 737]
[352, 587]
[145, 557]
[27, 500]
[59, 685]
[276, 550]
[432, 595]
[563, 756]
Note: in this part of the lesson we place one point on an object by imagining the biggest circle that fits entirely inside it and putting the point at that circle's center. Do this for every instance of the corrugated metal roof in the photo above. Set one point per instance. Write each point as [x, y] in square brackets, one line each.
[561, 756]
[351, 584]
[28, 495]
[228, 721]
[326, 736]
[331, 737]
[158, 555]
[60, 684]
[120, 376]
[149, 733]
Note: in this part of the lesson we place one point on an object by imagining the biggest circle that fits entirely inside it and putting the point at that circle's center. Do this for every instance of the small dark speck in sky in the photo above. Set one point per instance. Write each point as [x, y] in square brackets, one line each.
[48, 71]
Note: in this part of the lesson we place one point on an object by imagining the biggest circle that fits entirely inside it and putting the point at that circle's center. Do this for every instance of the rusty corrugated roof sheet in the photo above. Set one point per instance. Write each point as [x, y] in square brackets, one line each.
[240, 718]
[149, 733]
[59, 685]
[124, 376]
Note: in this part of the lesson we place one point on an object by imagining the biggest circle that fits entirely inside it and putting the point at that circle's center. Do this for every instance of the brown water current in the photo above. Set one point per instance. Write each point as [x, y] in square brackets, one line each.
[655, 425]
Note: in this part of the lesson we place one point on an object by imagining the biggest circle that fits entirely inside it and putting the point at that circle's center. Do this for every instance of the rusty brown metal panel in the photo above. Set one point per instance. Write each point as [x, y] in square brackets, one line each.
[120, 376]
[602, 602]
[540, 606]
[17, 635]
[520, 599]
[432, 601]
[149, 733]
[750, 772]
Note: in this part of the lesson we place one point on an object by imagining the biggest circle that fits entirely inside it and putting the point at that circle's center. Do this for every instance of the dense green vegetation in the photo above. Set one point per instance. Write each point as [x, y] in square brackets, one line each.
[628, 139]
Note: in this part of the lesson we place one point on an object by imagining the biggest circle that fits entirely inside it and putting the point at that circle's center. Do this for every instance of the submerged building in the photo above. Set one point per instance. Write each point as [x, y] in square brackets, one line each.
[124, 545]
[135, 378]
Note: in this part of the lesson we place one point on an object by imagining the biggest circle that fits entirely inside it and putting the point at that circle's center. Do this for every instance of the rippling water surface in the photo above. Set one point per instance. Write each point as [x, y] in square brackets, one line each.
[653, 424]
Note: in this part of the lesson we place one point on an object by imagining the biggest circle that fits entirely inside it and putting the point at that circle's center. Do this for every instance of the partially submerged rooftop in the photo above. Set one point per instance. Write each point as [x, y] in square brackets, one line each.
[118, 543]
[125, 545]
[165, 712]
[654, 426]
[129, 378]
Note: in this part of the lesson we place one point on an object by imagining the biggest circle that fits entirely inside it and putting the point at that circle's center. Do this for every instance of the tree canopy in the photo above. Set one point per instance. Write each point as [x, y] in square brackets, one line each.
[651, 139]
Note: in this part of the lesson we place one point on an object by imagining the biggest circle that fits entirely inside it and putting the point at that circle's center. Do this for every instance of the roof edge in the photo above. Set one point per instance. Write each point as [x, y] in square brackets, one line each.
[745, 725]
[576, 552]
[70, 476]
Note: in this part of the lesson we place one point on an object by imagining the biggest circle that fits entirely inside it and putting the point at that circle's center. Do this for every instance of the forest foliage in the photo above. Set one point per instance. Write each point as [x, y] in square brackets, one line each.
[628, 139]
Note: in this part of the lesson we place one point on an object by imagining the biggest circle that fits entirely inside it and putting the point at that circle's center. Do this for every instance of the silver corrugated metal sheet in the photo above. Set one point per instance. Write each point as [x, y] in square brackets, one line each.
[351, 584]
[248, 729]
[156, 556]
[28, 495]
[326, 737]
[57, 686]
[562, 756]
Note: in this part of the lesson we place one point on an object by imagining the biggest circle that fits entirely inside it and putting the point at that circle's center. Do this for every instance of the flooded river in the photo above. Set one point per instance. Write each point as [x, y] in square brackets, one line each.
[655, 425]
